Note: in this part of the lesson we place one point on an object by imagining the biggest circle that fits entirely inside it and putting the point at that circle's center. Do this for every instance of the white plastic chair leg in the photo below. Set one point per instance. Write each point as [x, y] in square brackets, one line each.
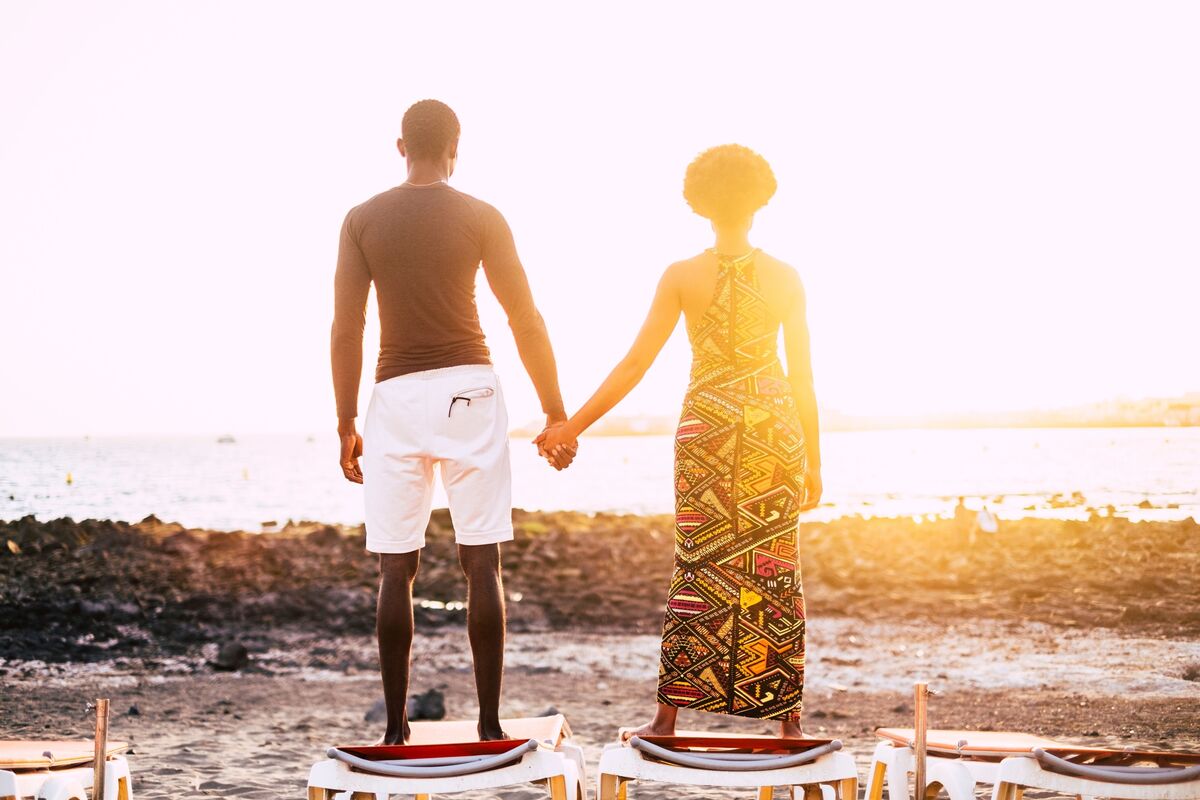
[879, 771]
[897, 774]
[56, 788]
[957, 782]
[118, 783]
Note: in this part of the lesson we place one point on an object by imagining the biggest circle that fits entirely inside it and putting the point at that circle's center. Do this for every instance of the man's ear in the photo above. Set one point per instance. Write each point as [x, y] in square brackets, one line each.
[400, 147]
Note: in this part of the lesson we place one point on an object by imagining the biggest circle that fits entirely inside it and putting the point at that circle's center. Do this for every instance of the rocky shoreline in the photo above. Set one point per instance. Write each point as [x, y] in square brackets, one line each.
[94, 590]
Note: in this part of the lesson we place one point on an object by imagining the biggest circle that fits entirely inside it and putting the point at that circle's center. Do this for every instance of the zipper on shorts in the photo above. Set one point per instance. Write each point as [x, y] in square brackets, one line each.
[467, 395]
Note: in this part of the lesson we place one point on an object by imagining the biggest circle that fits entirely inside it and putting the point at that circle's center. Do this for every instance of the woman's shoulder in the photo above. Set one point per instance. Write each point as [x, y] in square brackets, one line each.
[780, 277]
[769, 263]
[686, 269]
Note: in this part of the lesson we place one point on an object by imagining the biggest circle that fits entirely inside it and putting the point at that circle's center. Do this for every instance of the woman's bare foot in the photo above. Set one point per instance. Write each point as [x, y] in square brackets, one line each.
[790, 729]
[663, 724]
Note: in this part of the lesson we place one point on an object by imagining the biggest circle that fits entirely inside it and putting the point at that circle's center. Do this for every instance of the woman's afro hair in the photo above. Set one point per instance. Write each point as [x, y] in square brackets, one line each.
[728, 183]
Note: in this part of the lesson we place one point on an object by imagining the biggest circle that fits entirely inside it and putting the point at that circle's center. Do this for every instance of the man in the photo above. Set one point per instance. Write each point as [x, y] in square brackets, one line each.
[436, 399]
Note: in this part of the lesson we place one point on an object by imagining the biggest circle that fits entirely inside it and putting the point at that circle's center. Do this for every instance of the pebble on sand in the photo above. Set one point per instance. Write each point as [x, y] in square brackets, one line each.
[232, 656]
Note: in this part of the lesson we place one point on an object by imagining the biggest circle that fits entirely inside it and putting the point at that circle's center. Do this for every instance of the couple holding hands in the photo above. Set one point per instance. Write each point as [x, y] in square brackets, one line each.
[747, 458]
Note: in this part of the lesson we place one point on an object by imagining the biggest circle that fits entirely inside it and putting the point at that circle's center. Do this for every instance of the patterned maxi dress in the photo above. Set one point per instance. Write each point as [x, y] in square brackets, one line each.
[733, 637]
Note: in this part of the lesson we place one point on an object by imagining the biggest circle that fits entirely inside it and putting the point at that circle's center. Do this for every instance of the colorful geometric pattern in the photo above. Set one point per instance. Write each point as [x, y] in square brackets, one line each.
[733, 638]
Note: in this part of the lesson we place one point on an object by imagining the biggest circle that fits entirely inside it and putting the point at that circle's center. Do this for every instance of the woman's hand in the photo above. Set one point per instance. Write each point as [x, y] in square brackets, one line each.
[557, 445]
[812, 488]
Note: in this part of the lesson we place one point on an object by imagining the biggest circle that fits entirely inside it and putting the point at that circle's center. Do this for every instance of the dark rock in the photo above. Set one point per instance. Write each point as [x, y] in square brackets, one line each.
[183, 543]
[429, 705]
[93, 608]
[232, 656]
[549, 711]
[134, 711]
[377, 712]
[327, 536]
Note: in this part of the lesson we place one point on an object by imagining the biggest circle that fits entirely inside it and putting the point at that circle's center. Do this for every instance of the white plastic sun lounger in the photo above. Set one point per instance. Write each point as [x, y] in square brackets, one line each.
[1014, 762]
[447, 758]
[731, 760]
[60, 770]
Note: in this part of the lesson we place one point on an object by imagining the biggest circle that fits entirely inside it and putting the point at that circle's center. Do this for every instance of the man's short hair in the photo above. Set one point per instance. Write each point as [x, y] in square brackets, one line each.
[427, 128]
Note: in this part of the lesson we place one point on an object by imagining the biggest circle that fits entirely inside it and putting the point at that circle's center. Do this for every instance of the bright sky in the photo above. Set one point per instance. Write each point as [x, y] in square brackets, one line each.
[993, 206]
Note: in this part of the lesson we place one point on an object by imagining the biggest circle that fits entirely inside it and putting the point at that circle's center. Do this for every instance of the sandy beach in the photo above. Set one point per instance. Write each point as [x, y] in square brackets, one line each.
[1084, 631]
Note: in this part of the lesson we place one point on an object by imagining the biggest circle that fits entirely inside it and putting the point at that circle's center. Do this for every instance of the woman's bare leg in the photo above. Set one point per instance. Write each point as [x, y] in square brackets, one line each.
[791, 729]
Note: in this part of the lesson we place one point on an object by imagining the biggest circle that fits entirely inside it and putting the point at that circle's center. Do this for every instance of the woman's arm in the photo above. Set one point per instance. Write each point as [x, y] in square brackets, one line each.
[799, 360]
[660, 322]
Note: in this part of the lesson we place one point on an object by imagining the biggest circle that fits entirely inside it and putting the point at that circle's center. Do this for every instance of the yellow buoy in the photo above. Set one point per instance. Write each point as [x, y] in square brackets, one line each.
[70, 479]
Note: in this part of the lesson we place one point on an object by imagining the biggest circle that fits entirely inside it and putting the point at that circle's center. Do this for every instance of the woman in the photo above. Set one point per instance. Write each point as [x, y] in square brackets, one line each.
[747, 458]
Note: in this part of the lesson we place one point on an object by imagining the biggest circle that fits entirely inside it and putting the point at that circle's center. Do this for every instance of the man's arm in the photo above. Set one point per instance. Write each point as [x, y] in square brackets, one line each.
[351, 284]
[508, 282]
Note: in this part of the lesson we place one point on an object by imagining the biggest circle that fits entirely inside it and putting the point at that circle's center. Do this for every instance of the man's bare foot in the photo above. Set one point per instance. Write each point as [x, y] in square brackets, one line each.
[790, 730]
[491, 732]
[391, 737]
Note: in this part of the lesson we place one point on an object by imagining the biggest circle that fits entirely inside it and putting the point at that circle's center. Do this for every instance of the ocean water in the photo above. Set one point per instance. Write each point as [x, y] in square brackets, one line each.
[271, 479]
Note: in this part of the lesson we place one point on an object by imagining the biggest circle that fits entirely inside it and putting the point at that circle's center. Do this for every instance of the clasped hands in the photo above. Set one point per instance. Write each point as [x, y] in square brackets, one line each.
[556, 445]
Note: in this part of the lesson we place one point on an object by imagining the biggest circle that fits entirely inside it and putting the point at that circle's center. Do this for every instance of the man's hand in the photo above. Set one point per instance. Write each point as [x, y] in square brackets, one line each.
[812, 488]
[554, 446]
[351, 451]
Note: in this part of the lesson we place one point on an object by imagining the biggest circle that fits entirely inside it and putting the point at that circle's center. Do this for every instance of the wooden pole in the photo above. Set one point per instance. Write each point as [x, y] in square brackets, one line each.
[101, 755]
[920, 729]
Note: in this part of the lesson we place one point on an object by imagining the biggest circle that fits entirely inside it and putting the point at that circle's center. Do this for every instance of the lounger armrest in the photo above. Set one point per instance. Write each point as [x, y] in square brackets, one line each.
[1145, 776]
[717, 762]
[423, 768]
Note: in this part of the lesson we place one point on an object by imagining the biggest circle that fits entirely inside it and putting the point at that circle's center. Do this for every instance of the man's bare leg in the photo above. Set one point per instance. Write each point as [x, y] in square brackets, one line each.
[394, 625]
[485, 629]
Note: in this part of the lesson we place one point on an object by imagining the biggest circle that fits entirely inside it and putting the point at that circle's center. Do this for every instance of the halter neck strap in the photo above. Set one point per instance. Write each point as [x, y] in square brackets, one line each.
[734, 261]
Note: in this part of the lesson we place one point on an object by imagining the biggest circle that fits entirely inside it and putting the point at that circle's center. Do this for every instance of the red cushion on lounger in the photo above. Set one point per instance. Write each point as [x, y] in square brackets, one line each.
[388, 752]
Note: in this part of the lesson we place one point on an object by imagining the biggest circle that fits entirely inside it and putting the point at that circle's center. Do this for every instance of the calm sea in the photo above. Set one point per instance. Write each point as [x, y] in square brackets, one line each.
[256, 479]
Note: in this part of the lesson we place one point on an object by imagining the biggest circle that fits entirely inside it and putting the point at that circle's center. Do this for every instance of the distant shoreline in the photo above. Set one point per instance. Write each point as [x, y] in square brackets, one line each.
[527, 431]
[530, 430]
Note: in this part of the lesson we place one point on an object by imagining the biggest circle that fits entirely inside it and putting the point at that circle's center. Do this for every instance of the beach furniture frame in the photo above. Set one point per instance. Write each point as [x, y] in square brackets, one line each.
[818, 767]
[957, 761]
[60, 770]
[446, 758]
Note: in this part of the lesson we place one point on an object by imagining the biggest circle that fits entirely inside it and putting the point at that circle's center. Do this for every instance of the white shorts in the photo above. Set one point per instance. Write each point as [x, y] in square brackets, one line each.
[453, 417]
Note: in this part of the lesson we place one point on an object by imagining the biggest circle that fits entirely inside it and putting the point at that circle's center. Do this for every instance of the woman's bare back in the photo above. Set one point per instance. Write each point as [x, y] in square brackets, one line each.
[696, 279]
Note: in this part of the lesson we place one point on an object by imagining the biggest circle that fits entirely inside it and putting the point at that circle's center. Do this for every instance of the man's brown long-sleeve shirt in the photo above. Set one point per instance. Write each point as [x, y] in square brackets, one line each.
[422, 247]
